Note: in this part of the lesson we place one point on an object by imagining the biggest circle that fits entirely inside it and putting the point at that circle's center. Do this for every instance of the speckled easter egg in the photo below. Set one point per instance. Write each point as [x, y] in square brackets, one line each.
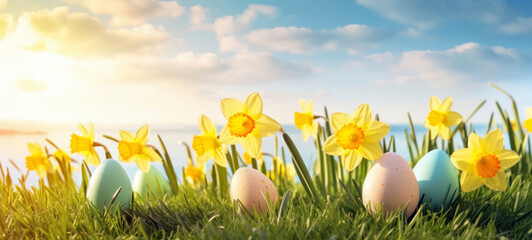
[152, 182]
[251, 187]
[390, 184]
[107, 178]
[437, 179]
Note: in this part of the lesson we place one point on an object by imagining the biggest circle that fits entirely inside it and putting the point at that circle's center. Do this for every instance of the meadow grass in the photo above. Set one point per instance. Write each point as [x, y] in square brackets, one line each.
[324, 204]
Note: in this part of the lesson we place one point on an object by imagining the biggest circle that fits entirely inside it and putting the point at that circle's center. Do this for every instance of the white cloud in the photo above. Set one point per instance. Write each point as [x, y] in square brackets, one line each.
[210, 69]
[198, 18]
[381, 57]
[521, 25]
[352, 38]
[132, 12]
[229, 25]
[426, 14]
[80, 35]
[469, 62]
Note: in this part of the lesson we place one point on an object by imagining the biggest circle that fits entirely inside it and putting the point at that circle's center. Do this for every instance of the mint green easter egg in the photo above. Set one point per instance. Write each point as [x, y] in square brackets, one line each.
[105, 181]
[437, 179]
[152, 182]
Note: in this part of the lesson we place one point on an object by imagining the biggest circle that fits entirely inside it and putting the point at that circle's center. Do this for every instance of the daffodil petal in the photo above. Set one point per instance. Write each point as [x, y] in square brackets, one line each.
[227, 138]
[529, 112]
[252, 145]
[426, 123]
[351, 160]
[220, 157]
[83, 130]
[126, 136]
[254, 104]
[266, 126]
[230, 106]
[203, 158]
[453, 118]
[91, 131]
[469, 181]
[494, 141]
[339, 119]
[314, 129]
[363, 115]
[306, 133]
[151, 154]
[508, 158]
[206, 126]
[331, 146]
[497, 182]
[445, 132]
[528, 124]
[35, 148]
[475, 142]
[142, 162]
[92, 157]
[142, 134]
[435, 103]
[462, 158]
[371, 151]
[434, 131]
[446, 104]
[376, 131]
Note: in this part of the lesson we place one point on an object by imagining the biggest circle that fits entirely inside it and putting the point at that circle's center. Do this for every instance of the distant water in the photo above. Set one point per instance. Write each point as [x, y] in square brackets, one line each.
[14, 146]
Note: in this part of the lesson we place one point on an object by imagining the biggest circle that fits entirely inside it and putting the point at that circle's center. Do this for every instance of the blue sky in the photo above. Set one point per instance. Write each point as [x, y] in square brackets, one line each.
[148, 61]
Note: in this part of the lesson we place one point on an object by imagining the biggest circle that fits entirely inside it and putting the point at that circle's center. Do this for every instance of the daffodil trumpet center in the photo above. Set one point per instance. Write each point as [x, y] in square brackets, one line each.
[241, 124]
[203, 143]
[436, 117]
[303, 119]
[350, 136]
[80, 143]
[129, 149]
[487, 165]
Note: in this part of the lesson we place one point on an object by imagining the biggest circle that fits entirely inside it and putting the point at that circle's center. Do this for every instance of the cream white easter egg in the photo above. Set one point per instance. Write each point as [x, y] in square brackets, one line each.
[390, 184]
[251, 187]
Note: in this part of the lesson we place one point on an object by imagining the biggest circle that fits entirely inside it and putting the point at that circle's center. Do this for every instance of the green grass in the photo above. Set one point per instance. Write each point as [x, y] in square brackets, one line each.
[326, 204]
[63, 213]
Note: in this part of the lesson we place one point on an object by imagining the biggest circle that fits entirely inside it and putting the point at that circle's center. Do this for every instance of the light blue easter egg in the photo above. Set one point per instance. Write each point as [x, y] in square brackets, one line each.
[437, 179]
[152, 182]
[105, 181]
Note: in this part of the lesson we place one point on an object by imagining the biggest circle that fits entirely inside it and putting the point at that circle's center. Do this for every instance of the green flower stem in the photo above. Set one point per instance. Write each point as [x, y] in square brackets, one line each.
[301, 169]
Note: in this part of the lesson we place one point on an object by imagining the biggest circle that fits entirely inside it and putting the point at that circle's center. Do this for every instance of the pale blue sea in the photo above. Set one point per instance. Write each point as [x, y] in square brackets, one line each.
[13, 146]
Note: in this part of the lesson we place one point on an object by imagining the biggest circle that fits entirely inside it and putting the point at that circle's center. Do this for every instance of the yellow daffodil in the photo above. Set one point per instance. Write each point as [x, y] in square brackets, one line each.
[194, 174]
[246, 124]
[38, 160]
[84, 144]
[513, 123]
[484, 162]
[134, 149]
[305, 120]
[440, 118]
[260, 158]
[207, 145]
[287, 171]
[62, 155]
[355, 137]
[528, 122]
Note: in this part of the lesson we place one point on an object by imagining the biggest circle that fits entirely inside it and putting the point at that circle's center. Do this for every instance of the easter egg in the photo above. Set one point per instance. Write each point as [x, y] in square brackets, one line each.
[252, 188]
[152, 182]
[390, 184]
[437, 179]
[105, 181]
